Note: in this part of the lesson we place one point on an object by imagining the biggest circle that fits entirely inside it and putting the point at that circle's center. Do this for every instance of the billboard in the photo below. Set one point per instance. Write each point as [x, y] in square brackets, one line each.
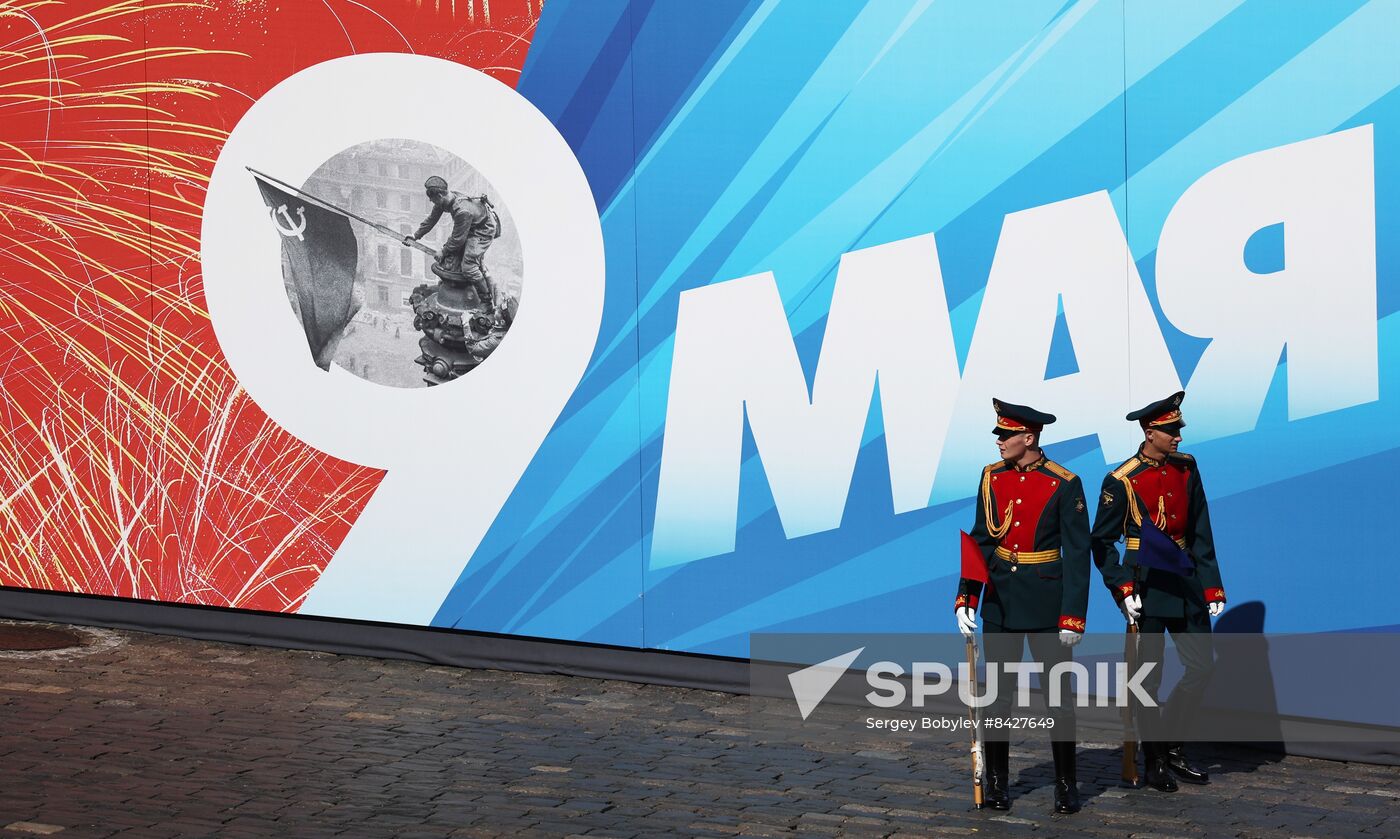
[757, 270]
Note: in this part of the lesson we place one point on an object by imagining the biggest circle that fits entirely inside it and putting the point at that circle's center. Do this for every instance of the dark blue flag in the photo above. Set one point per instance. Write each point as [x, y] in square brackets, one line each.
[1157, 550]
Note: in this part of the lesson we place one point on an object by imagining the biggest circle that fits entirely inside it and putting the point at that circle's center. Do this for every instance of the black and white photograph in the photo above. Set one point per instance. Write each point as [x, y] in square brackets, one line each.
[399, 259]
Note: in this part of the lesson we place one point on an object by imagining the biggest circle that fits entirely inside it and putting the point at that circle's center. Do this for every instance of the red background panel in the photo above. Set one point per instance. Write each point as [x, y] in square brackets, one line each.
[134, 464]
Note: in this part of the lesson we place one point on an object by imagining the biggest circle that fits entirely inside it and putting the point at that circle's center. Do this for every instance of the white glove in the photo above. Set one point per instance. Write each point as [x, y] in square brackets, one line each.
[967, 621]
[1216, 608]
[1069, 637]
[1132, 607]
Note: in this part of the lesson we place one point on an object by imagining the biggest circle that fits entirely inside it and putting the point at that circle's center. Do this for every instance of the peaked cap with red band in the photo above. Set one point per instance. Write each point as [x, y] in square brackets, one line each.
[1163, 415]
[1019, 419]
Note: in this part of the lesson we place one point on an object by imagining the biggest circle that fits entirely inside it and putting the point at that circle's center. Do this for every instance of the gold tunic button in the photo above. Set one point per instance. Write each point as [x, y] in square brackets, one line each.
[1018, 501]
[1023, 477]
[1018, 524]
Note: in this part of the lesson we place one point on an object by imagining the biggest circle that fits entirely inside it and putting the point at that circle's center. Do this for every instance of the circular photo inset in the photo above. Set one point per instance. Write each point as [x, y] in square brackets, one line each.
[400, 261]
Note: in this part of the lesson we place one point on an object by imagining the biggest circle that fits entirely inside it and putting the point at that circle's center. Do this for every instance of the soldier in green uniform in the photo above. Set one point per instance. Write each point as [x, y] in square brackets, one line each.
[1033, 529]
[1163, 485]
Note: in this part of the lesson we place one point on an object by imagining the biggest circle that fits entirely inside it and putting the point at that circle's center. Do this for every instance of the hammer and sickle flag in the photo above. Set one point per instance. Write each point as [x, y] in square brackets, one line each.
[321, 255]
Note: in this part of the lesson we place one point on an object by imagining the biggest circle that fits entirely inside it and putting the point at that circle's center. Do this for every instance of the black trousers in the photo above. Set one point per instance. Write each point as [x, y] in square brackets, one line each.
[1173, 719]
[1007, 645]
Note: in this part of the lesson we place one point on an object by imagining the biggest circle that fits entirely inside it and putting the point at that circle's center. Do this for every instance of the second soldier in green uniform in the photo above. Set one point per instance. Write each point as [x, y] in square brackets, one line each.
[1162, 485]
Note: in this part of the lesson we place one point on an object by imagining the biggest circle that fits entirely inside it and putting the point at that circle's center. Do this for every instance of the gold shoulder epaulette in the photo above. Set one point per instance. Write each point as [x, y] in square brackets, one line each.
[1122, 471]
[1064, 473]
[1182, 456]
[992, 467]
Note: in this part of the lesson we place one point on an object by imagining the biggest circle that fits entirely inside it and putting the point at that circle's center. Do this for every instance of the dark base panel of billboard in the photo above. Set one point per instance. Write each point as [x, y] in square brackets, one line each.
[451, 647]
[459, 648]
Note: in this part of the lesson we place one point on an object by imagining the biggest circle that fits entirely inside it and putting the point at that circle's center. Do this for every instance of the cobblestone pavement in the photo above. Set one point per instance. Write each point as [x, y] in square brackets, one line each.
[149, 736]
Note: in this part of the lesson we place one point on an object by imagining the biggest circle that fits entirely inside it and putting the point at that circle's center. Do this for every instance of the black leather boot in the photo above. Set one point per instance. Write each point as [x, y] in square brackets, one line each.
[1066, 780]
[1176, 762]
[998, 775]
[1157, 776]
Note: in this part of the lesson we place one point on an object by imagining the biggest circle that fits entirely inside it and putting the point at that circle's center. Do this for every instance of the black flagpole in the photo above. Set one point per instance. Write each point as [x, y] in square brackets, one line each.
[387, 231]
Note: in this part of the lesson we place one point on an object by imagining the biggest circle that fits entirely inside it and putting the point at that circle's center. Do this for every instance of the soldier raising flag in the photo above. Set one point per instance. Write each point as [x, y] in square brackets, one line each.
[475, 226]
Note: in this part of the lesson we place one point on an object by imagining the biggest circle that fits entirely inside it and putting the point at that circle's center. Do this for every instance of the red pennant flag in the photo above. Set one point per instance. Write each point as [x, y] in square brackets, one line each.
[974, 563]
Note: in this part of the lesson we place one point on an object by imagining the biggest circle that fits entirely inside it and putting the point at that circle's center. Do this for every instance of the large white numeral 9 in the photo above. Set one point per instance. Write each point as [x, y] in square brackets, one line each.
[454, 452]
